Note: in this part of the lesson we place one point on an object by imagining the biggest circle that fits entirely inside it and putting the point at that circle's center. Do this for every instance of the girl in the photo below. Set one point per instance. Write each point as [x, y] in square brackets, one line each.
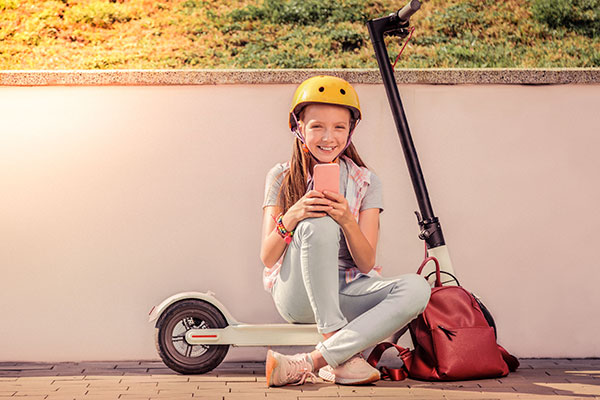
[319, 248]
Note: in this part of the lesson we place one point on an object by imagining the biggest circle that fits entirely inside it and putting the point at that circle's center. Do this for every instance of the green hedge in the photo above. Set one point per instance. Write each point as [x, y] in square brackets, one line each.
[582, 16]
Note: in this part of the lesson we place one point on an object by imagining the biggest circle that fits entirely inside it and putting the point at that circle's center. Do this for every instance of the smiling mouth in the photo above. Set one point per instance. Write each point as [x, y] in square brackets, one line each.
[327, 149]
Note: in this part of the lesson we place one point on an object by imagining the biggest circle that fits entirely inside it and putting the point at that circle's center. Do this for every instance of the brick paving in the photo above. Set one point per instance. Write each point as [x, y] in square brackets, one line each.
[137, 380]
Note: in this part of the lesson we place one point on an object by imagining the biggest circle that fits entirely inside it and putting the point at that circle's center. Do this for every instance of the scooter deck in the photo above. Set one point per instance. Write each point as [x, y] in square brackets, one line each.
[257, 335]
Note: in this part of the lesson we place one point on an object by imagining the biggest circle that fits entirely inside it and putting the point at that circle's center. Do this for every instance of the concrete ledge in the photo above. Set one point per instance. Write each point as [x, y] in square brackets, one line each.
[294, 76]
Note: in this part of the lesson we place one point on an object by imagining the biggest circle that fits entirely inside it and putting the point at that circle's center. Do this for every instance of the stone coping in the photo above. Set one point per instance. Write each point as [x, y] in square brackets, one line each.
[435, 76]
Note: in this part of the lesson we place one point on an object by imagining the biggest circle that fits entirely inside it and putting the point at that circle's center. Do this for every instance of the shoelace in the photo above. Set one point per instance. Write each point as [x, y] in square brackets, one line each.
[306, 374]
[299, 373]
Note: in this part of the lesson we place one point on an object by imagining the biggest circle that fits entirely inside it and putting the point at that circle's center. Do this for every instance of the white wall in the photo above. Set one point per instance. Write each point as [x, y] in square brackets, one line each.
[113, 198]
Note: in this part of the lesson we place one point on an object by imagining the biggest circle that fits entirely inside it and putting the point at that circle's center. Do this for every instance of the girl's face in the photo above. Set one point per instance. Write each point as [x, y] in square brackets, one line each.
[325, 128]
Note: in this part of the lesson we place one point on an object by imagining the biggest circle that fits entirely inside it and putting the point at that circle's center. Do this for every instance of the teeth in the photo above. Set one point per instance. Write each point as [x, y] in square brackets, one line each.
[326, 148]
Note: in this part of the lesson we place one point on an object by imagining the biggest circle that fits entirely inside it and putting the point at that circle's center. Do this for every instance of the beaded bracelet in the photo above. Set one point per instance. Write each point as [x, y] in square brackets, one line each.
[284, 233]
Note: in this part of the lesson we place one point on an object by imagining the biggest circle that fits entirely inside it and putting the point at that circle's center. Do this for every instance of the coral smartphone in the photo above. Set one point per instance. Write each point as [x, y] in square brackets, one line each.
[327, 177]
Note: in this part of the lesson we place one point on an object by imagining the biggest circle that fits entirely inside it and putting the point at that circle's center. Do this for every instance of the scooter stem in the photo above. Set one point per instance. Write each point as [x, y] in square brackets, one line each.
[396, 25]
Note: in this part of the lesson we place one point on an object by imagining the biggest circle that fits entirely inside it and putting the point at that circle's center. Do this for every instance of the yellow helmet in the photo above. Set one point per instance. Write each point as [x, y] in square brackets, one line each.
[327, 90]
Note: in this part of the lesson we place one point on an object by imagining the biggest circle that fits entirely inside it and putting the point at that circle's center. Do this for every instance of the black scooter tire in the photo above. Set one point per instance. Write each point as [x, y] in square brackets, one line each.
[185, 315]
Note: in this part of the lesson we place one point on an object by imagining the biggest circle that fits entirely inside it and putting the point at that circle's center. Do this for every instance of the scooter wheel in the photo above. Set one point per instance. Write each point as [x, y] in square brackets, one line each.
[172, 347]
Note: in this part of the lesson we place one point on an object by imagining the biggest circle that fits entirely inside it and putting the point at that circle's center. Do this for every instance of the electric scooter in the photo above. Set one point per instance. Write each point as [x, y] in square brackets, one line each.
[194, 330]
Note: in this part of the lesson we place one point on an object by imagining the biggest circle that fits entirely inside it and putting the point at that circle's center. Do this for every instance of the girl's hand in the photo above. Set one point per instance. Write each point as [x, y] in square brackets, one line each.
[312, 204]
[340, 211]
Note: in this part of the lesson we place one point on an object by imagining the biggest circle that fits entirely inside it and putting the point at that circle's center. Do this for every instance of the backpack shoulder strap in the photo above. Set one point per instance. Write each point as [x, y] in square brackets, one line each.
[394, 374]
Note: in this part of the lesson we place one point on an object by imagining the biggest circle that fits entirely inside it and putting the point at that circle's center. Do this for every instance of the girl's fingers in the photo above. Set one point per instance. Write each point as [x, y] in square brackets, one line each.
[314, 193]
[321, 210]
[320, 201]
[333, 195]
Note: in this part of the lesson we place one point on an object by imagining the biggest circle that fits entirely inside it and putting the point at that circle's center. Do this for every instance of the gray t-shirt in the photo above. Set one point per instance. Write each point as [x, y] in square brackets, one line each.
[373, 199]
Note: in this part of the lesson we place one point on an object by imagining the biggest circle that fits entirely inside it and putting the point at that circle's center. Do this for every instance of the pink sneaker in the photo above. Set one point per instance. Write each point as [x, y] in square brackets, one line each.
[288, 370]
[355, 371]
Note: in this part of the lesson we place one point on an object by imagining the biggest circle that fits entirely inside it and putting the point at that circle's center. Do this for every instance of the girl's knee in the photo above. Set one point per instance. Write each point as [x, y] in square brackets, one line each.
[423, 292]
[417, 291]
[318, 228]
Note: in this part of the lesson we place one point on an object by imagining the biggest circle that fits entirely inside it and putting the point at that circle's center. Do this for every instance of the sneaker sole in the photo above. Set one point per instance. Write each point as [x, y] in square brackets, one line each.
[330, 377]
[270, 367]
[370, 379]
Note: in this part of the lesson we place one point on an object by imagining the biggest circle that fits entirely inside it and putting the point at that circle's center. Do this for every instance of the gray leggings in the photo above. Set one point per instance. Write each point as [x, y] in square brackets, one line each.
[311, 289]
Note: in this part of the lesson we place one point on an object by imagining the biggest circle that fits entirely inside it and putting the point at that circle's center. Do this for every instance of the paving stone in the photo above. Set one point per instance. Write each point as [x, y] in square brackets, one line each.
[22, 384]
[201, 397]
[204, 378]
[71, 391]
[175, 389]
[74, 369]
[238, 378]
[100, 378]
[105, 392]
[512, 377]
[318, 389]
[64, 378]
[460, 395]
[171, 375]
[140, 390]
[128, 364]
[173, 393]
[101, 371]
[355, 390]
[134, 371]
[533, 389]
[172, 396]
[192, 385]
[69, 383]
[32, 373]
[281, 396]
[545, 397]
[160, 371]
[26, 366]
[151, 378]
[104, 383]
[289, 389]
[33, 392]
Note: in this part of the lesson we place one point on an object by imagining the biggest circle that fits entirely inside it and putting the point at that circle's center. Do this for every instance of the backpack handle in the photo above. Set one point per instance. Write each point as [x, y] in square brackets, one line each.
[438, 279]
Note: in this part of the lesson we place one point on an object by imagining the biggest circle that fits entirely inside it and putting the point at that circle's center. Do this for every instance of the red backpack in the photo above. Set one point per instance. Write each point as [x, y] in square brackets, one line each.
[453, 340]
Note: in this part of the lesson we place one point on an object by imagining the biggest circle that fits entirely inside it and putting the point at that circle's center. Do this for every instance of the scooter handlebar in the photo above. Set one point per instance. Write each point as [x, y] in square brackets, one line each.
[408, 10]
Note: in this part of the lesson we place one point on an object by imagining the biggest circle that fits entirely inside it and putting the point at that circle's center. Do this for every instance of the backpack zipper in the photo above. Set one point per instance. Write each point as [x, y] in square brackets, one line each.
[448, 332]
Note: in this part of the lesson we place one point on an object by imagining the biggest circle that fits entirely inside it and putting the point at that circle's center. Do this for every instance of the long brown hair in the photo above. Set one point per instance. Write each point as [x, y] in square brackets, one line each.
[293, 186]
